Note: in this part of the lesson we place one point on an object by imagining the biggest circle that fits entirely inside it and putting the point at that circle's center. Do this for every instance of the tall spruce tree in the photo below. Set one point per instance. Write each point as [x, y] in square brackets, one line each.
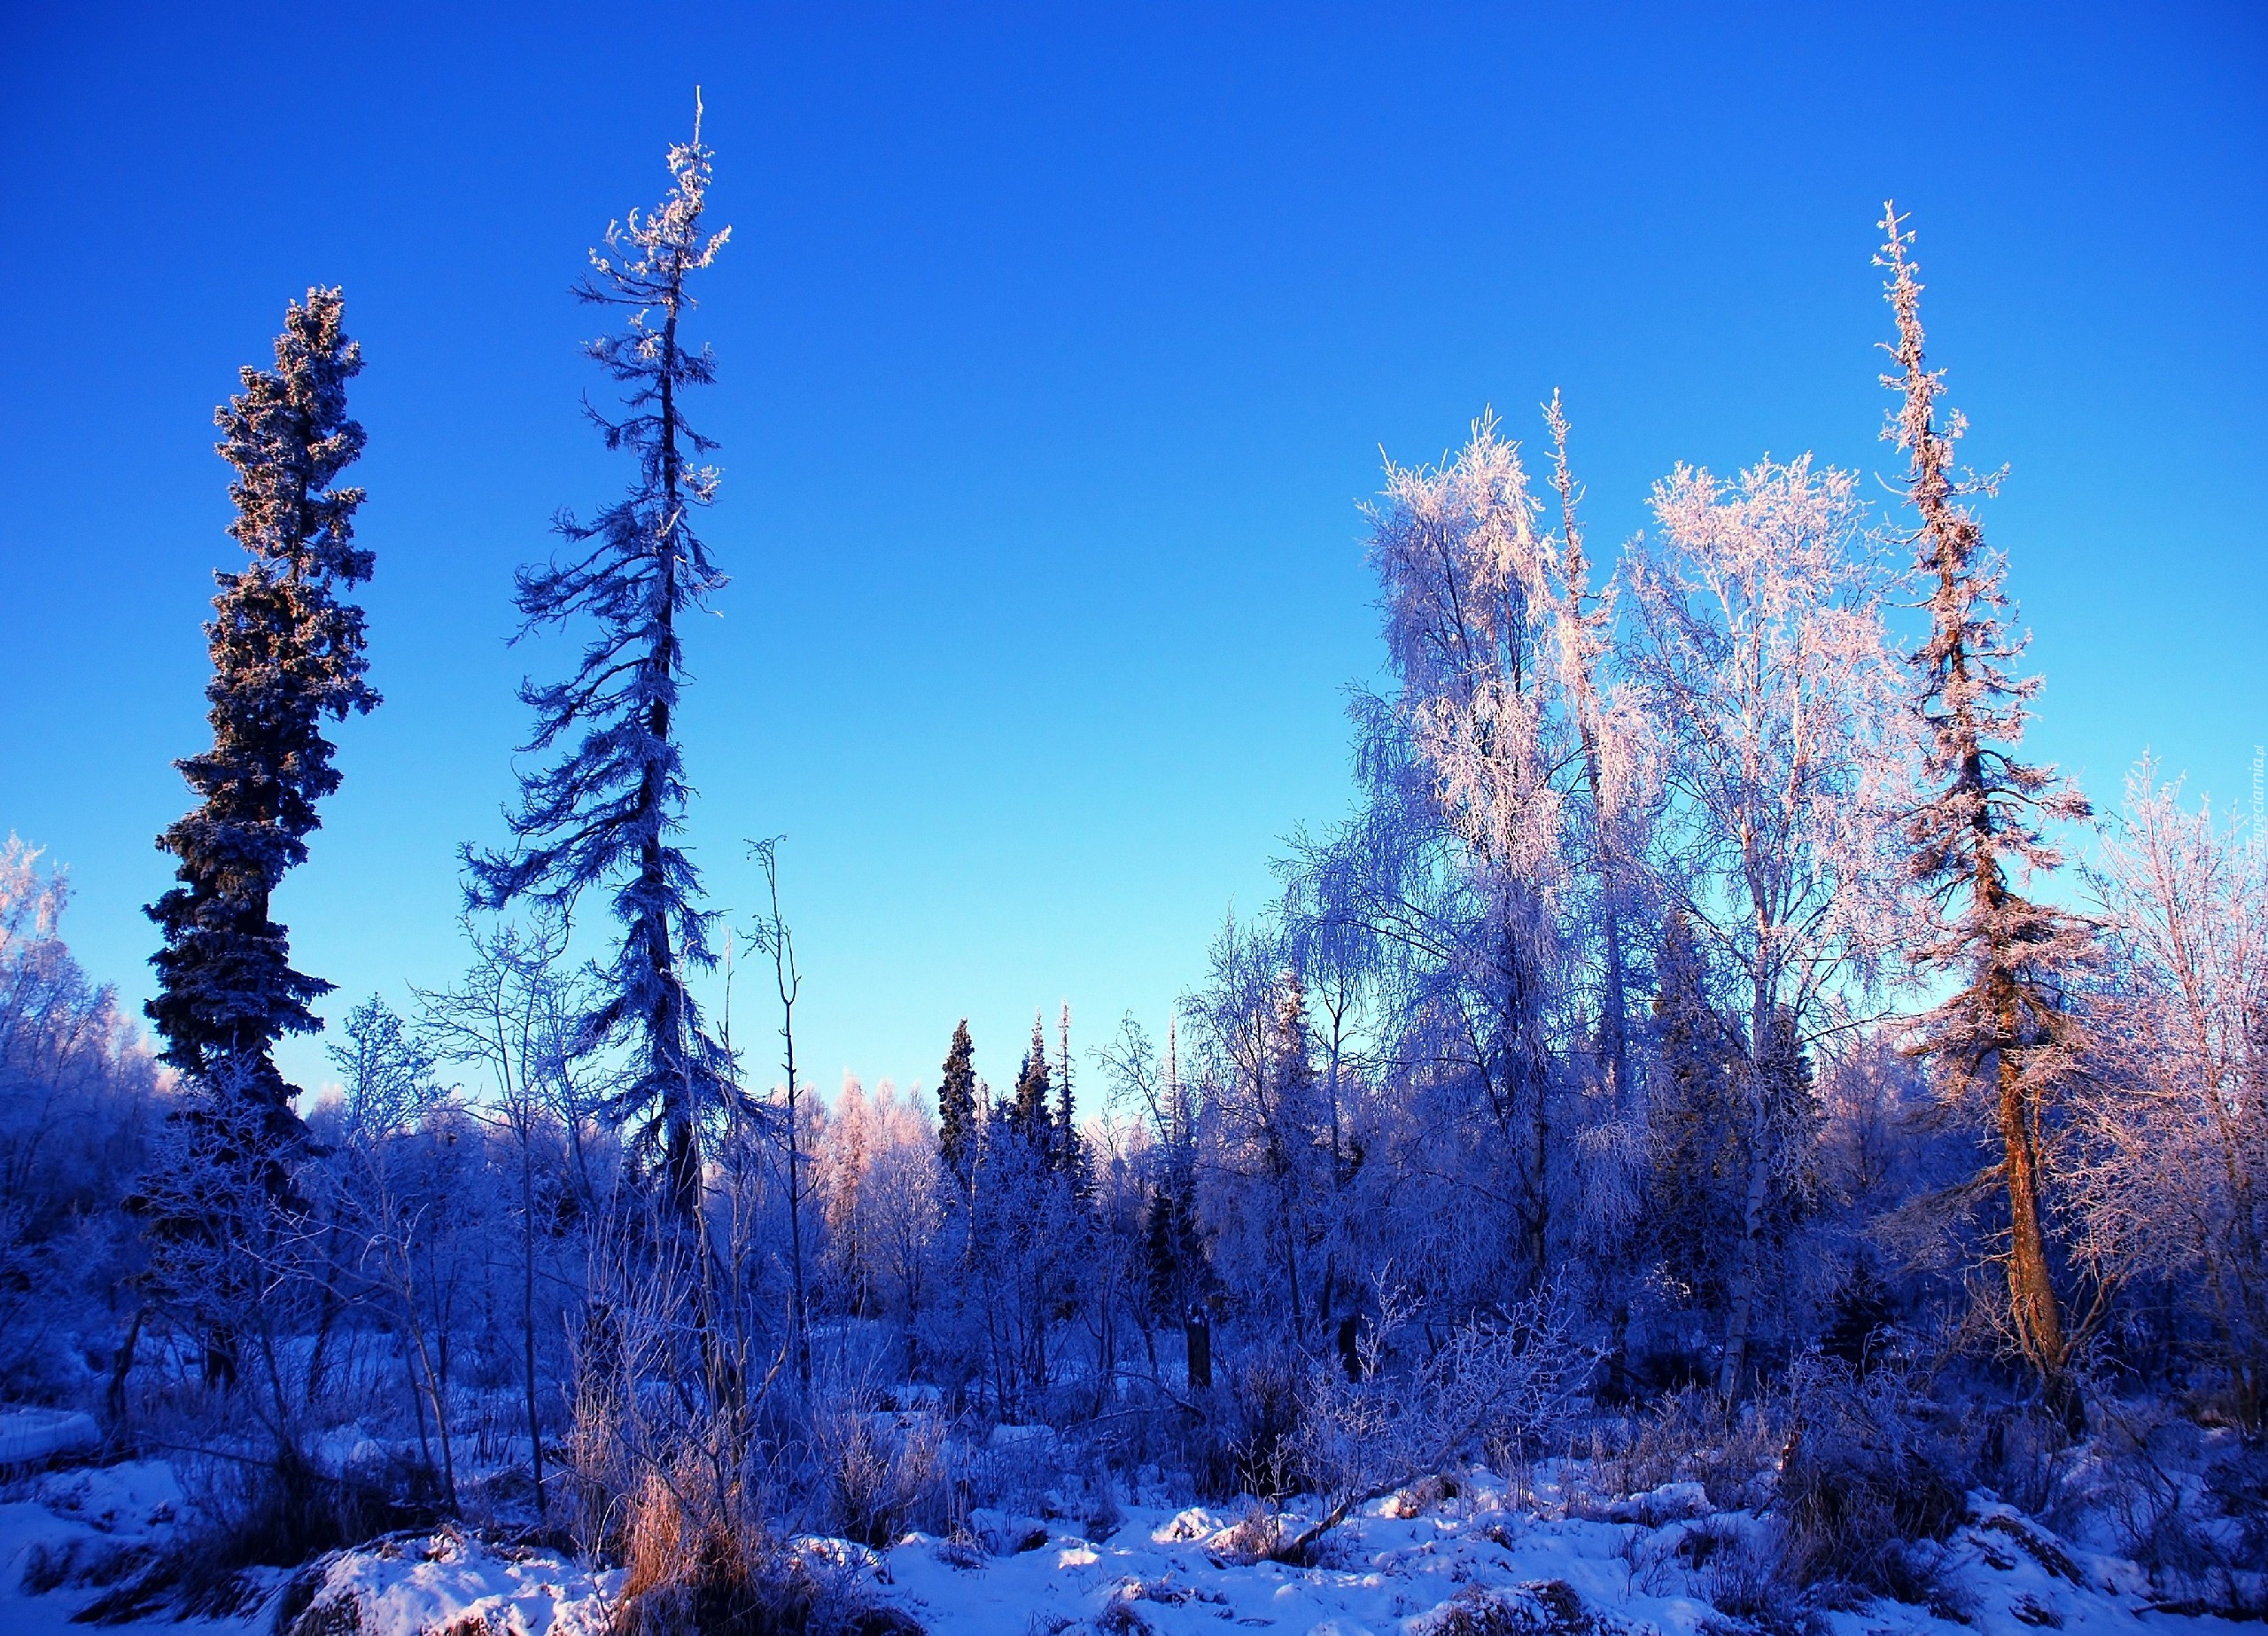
[607, 812]
[287, 652]
[1032, 1114]
[1979, 833]
[957, 1112]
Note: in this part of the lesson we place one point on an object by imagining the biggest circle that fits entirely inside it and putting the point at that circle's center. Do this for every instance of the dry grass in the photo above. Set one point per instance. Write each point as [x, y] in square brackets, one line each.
[700, 1559]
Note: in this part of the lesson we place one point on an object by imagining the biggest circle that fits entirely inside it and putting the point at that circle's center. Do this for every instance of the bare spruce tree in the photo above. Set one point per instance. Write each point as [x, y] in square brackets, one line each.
[1979, 833]
[608, 810]
[287, 652]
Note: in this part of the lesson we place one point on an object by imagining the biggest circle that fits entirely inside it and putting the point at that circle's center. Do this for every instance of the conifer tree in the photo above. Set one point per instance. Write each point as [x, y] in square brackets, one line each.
[1030, 1114]
[1979, 834]
[1071, 1154]
[1696, 1154]
[1067, 1123]
[287, 651]
[957, 1110]
[608, 810]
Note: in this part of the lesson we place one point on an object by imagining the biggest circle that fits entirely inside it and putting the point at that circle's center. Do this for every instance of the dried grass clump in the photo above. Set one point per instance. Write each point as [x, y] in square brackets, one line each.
[1745, 1581]
[700, 1560]
[1694, 1436]
[1256, 1536]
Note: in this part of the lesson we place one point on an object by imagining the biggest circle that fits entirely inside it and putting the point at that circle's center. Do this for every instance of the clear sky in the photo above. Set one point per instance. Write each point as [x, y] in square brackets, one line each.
[1055, 356]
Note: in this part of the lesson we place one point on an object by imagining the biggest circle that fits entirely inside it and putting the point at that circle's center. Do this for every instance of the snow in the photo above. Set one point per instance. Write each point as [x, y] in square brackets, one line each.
[1509, 1561]
[407, 1584]
[27, 1435]
[1173, 1573]
[80, 1516]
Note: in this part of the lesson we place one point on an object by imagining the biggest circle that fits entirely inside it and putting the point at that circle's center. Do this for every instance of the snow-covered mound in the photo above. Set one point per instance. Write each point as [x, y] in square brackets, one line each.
[31, 1435]
[65, 1534]
[407, 1584]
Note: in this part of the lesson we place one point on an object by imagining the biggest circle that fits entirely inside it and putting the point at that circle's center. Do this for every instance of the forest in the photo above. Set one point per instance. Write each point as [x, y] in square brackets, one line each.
[1718, 1140]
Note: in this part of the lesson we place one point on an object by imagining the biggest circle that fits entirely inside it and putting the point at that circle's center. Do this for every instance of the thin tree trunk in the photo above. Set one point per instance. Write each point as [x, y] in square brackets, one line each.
[1741, 1298]
[1747, 1268]
[527, 1317]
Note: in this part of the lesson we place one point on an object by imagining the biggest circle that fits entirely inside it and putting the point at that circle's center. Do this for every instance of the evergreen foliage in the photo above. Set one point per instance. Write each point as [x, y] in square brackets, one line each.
[287, 652]
[608, 810]
[1980, 831]
[1697, 1157]
[1029, 1114]
[957, 1110]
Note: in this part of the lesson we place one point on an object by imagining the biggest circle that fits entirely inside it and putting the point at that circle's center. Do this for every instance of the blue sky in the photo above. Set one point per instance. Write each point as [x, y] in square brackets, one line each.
[1056, 347]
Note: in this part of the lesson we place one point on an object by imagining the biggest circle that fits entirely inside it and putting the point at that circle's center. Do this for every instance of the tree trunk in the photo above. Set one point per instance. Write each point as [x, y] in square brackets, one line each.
[121, 1366]
[1198, 1334]
[527, 1315]
[2031, 1289]
[1747, 1269]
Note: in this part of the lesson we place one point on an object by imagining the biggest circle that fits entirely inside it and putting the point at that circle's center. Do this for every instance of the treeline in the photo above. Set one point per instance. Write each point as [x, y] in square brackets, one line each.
[1696, 991]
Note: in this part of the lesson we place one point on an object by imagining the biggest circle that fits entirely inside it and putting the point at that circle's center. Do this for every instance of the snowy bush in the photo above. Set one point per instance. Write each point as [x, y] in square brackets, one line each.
[1869, 1475]
[884, 1473]
[1488, 1391]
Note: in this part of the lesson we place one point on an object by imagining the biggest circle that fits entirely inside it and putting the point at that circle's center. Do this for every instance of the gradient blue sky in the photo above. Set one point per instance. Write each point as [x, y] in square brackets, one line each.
[1057, 345]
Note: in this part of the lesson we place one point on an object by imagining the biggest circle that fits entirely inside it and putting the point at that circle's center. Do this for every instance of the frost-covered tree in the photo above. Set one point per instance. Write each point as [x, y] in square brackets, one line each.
[1582, 626]
[608, 810]
[2172, 1180]
[78, 1105]
[878, 1188]
[1025, 1248]
[288, 651]
[1451, 878]
[1029, 1114]
[957, 1110]
[1978, 835]
[1759, 646]
[513, 1017]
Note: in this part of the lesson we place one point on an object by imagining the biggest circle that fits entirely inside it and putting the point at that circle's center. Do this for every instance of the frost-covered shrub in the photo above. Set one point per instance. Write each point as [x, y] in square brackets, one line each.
[2017, 1451]
[884, 1473]
[2240, 1484]
[1867, 1475]
[1489, 1392]
[1015, 1467]
[1251, 1446]
[2196, 1524]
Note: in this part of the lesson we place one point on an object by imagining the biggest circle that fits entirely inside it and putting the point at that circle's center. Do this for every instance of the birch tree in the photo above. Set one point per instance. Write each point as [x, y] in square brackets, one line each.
[2172, 1177]
[1761, 647]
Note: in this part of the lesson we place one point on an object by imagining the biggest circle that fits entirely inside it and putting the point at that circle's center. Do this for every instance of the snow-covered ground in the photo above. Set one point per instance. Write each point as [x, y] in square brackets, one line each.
[1481, 1554]
[1481, 1561]
[78, 1526]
